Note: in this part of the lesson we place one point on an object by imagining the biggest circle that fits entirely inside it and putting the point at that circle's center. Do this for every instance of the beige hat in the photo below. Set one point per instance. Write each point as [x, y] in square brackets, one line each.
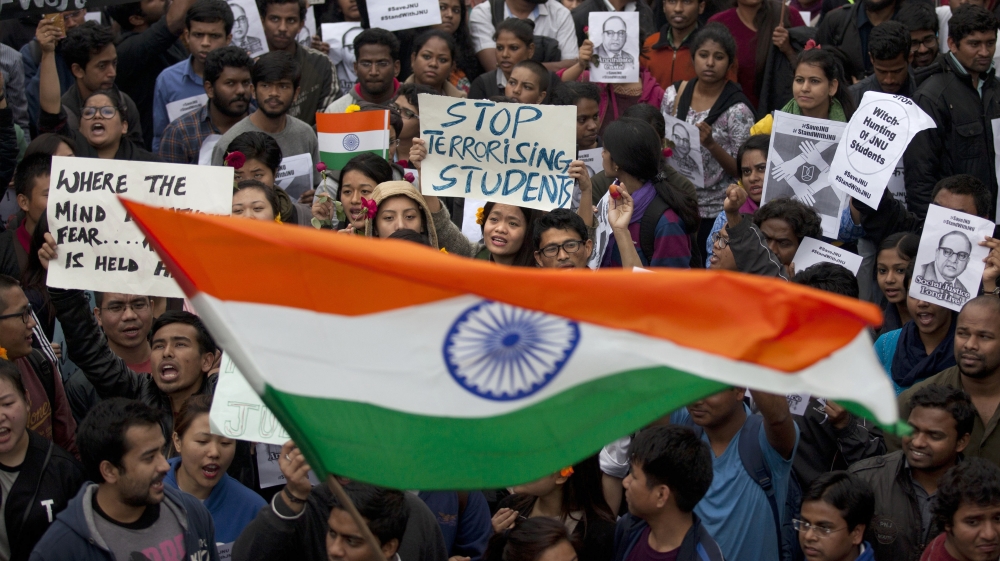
[395, 188]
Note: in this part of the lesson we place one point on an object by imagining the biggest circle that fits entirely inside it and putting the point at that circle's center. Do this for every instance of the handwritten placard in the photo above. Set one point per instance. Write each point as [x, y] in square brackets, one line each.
[812, 251]
[949, 264]
[616, 47]
[100, 248]
[503, 152]
[238, 412]
[874, 141]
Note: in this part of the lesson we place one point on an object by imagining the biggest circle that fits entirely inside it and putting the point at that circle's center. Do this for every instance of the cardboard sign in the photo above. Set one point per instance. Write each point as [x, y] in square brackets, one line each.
[340, 37]
[874, 141]
[181, 107]
[295, 175]
[100, 248]
[686, 158]
[248, 30]
[797, 164]
[949, 264]
[812, 251]
[504, 152]
[238, 412]
[616, 47]
[395, 15]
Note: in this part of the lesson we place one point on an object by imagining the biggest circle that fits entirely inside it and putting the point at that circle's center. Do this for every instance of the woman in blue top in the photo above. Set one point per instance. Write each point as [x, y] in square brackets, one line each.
[200, 470]
[924, 346]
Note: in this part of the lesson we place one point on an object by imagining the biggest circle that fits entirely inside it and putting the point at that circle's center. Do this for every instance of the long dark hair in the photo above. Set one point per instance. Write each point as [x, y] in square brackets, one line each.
[833, 70]
[766, 21]
[525, 257]
[636, 148]
[532, 538]
[582, 492]
[467, 61]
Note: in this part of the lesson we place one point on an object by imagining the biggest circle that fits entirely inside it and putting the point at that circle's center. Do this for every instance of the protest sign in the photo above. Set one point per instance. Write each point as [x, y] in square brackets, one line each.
[873, 142]
[949, 264]
[268, 471]
[896, 185]
[305, 35]
[99, 246]
[812, 251]
[395, 15]
[996, 157]
[602, 231]
[686, 157]
[248, 30]
[797, 164]
[616, 47]
[10, 9]
[295, 175]
[225, 551]
[592, 159]
[504, 152]
[238, 412]
[181, 107]
[340, 37]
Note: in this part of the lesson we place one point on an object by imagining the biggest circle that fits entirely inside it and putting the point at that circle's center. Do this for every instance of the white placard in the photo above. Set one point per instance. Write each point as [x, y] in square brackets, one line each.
[616, 47]
[602, 231]
[225, 551]
[996, 143]
[592, 159]
[797, 403]
[181, 107]
[207, 145]
[268, 470]
[949, 264]
[812, 251]
[395, 15]
[248, 30]
[509, 153]
[686, 158]
[100, 248]
[897, 185]
[304, 38]
[470, 227]
[798, 160]
[238, 412]
[295, 175]
[873, 142]
[340, 37]
[93, 16]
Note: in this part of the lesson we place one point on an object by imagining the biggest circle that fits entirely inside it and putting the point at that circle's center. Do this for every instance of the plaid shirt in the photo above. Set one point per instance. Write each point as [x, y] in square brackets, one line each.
[181, 141]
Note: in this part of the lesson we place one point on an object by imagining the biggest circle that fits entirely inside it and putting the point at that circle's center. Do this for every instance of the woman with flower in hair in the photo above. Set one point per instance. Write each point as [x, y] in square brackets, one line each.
[397, 205]
[256, 155]
[358, 180]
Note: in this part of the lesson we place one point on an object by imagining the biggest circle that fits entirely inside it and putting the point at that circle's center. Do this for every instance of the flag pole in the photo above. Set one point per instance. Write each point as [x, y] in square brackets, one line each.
[348, 505]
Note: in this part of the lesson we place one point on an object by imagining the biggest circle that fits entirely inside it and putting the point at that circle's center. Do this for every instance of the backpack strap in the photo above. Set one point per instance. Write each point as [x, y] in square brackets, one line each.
[46, 375]
[496, 7]
[41, 475]
[753, 462]
[685, 93]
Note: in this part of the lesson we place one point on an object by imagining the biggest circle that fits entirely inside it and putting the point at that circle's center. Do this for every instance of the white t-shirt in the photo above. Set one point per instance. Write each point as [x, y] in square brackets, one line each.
[553, 20]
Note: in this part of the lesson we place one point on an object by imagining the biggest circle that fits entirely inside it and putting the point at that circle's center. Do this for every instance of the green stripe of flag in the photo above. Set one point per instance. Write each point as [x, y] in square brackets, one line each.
[337, 160]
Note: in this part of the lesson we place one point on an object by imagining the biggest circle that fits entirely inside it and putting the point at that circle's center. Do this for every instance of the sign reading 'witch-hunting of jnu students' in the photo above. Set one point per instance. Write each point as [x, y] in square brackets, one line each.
[100, 248]
[502, 152]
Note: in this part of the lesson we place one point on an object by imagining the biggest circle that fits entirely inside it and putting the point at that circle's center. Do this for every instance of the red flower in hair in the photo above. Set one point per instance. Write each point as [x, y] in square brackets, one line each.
[812, 44]
[370, 206]
[235, 160]
[408, 177]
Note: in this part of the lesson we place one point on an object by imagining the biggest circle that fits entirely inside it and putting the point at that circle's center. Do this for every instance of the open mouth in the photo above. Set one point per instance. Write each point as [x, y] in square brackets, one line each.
[169, 373]
[4, 434]
[498, 241]
[925, 319]
[211, 471]
[97, 129]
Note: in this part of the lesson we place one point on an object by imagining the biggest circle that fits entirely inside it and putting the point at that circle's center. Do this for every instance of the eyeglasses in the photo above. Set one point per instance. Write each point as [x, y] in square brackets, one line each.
[720, 241]
[106, 112]
[380, 64]
[570, 246]
[928, 42]
[619, 34]
[406, 113]
[948, 254]
[803, 527]
[25, 315]
[119, 307]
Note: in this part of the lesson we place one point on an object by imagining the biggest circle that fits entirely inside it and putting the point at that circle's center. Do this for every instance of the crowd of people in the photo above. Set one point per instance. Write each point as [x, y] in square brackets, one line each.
[117, 460]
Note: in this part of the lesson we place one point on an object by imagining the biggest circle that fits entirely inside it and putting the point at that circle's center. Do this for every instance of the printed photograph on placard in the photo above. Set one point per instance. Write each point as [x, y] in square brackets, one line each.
[797, 164]
[248, 30]
[305, 35]
[616, 47]
[592, 159]
[949, 264]
[686, 157]
[340, 37]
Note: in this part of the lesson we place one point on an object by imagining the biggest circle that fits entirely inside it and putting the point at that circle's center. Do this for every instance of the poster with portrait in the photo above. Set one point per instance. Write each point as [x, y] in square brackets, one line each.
[616, 47]
[686, 157]
[949, 264]
[305, 35]
[798, 163]
[248, 29]
[340, 37]
[602, 232]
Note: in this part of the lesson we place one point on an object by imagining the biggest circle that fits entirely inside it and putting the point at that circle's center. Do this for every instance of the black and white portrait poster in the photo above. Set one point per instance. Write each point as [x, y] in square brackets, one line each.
[686, 157]
[949, 265]
[340, 36]
[248, 29]
[798, 163]
[305, 35]
[602, 231]
[616, 47]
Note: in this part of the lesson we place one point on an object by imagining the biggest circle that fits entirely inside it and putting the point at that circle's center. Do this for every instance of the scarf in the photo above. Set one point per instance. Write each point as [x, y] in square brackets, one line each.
[911, 363]
[640, 202]
[731, 95]
[836, 110]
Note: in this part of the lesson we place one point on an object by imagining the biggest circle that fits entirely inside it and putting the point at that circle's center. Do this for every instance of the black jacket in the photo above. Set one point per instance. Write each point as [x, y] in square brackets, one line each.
[8, 146]
[823, 447]
[47, 482]
[697, 545]
[963, 139]
[776, 81]
[839, 28]
[890, 217]
[581, 17]
[895, 529]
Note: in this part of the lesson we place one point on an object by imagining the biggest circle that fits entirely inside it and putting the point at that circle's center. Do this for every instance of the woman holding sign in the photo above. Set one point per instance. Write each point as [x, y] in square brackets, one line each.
[200, 470]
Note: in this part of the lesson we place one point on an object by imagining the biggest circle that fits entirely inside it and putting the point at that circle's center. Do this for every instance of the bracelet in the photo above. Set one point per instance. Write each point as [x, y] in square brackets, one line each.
[292, 497]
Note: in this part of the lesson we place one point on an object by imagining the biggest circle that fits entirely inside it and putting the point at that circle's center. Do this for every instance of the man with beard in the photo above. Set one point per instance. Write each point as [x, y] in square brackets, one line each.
[128, 513]
[977, 354]
[208, 27]
[276, 77]
[848, 28]
[283, 20]
[906, 482]
[920, 20]
[376, 66]
[228, 87]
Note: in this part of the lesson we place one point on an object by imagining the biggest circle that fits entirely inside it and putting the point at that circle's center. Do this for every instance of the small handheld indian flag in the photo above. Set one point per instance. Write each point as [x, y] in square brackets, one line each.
[402, 366]
[345, 135]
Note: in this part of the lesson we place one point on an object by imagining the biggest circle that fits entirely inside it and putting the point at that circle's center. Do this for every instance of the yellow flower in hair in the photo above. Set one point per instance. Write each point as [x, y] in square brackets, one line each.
[443, 250]
[352, 108]
[480, 219]
[277, 218]
[3, 353]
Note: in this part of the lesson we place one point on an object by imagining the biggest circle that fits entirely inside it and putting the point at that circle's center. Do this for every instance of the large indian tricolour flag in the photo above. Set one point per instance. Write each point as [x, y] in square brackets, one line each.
[399, 365]
[343, 136]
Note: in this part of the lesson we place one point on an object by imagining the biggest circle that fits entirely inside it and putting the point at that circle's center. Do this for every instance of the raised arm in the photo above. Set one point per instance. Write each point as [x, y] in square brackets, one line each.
[49, 96]
[778, 423]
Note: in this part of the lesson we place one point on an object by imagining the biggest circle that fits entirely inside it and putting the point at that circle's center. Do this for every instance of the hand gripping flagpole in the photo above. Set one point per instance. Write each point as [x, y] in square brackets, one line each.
[348, 505]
